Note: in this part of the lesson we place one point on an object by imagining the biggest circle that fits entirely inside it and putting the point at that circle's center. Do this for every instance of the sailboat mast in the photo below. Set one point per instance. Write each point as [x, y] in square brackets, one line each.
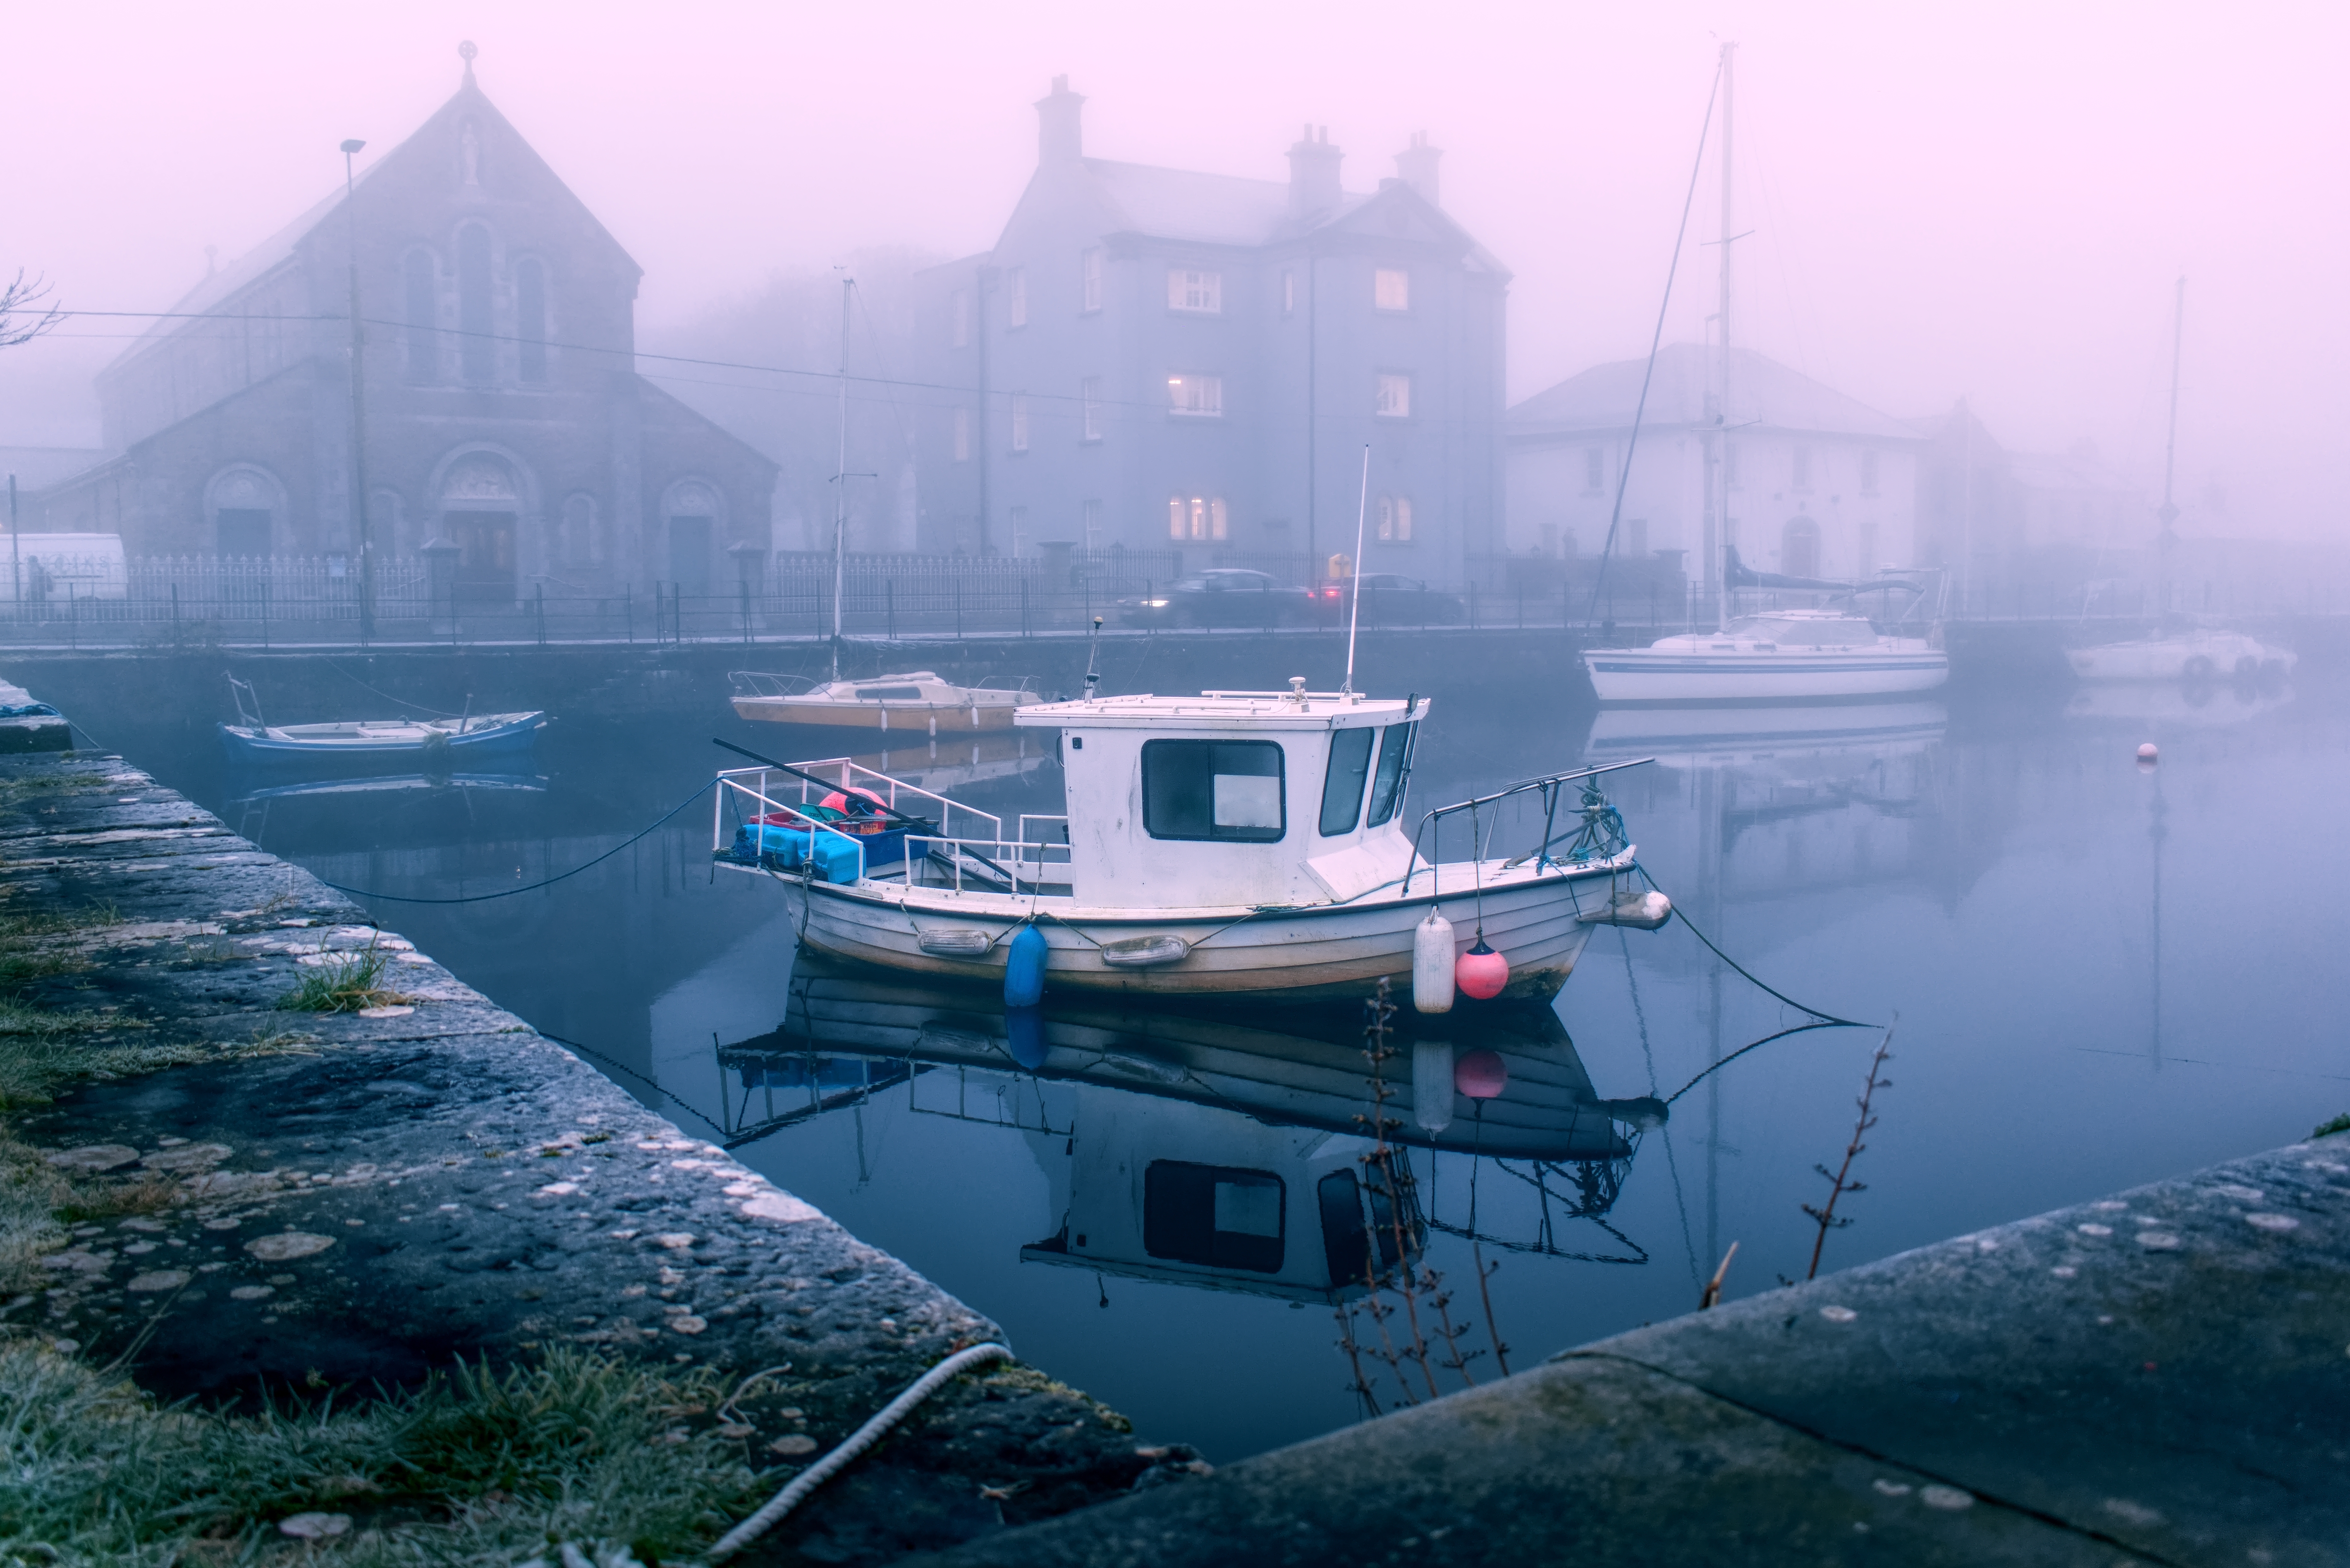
[840, 484]
[1729, 230]
[2169, 513]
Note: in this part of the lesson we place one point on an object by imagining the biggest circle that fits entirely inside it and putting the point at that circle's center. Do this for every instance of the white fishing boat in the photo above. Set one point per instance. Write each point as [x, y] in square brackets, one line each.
[470, 736]
[1781, 656]
[919, 702]
[1234, 843]
[2199, 654]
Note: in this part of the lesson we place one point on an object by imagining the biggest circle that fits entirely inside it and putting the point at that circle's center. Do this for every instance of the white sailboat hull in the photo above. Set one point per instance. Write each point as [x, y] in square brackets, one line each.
[2213, 656]
[1533, 918]
[1674, 675]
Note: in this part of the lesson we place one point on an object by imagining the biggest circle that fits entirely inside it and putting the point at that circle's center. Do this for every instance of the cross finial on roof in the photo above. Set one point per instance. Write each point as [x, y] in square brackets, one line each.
[465, 52]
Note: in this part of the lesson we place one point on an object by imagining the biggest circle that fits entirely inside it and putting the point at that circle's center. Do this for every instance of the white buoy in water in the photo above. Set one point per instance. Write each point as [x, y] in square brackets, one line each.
[2147, 753]
[1431, 1084]
[1432, 964]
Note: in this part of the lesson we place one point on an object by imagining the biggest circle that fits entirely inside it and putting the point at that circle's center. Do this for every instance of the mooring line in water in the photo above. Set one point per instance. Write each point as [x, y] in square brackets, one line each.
[535, 886]
[653, 1083]
[1757, 1044]
[1826, 1018]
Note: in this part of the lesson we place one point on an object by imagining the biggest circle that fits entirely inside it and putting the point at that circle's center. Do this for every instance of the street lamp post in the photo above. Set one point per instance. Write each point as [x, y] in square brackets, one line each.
[359, 402]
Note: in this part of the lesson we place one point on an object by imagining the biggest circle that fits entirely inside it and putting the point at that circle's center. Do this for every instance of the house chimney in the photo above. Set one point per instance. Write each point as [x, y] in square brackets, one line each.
[1059, 138]
[1417, 164]
[1314, 174]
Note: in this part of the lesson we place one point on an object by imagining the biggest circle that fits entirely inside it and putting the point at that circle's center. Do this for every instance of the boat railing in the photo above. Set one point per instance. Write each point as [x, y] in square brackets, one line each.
[895, 792]
[1594, 817]
[760, 792]
[1027, 817]
[998, 863]
[759, 683]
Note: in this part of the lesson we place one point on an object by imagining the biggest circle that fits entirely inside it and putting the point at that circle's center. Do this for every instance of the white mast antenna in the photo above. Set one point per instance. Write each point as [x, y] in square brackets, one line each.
[1355, 573]
[1728, 233]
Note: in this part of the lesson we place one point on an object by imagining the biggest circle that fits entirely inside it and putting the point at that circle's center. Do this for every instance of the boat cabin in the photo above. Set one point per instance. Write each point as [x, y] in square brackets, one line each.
[1232, 797]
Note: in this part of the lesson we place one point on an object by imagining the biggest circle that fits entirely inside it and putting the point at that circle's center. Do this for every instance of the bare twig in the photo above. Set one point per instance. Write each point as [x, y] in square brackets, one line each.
[1840, 1179]
[1712, 1296]
[1355, 1359]
[18, 299]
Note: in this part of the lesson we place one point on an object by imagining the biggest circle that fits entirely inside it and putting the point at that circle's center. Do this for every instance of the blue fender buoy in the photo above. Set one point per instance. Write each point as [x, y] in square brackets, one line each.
[1024, 968]
[1023, 1030]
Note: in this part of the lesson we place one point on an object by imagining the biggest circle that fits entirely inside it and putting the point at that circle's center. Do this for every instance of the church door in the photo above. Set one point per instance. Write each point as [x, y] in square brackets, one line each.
[688, 553]
[485, 570]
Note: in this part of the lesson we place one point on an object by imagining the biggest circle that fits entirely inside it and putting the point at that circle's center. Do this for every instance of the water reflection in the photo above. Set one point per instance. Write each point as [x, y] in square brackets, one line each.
[1213, 1147]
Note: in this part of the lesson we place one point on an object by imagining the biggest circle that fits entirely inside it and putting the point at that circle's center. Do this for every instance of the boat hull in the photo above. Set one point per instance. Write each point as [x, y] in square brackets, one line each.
[2209, 658]
[903, 718]
[1535, 919]
[512, 739]
[1646, 675]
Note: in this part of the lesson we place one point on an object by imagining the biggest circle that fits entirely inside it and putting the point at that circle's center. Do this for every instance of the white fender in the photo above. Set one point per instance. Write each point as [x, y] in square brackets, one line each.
[1432, 964]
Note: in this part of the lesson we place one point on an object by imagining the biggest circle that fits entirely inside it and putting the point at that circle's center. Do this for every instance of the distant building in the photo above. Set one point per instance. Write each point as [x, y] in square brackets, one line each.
[2021, 530]
[1150, 358]
[1819, 484]
[502, 410]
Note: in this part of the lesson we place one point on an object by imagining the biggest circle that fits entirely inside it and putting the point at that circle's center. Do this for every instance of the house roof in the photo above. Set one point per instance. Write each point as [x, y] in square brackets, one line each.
[1211, 209]
[1762, 393]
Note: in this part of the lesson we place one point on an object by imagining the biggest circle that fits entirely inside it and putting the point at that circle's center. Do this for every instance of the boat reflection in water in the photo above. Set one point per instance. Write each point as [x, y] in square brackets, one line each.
[1213, 1145]
[2190, 705]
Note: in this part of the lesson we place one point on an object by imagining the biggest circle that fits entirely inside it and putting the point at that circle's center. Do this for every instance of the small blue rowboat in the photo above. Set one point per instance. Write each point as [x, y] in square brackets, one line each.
[432, 744]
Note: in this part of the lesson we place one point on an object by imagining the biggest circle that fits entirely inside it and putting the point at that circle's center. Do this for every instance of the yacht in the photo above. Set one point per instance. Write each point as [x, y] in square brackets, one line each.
[919, 701]
[2202, 653]
[1233, 843]
[1788, 655]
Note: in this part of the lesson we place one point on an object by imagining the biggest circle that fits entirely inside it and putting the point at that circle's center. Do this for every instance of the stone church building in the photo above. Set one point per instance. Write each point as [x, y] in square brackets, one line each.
[503, 413]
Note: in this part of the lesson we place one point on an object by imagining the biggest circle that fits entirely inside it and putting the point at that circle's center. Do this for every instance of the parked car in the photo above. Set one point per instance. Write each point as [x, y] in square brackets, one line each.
[1227, 596]
[1389, 599]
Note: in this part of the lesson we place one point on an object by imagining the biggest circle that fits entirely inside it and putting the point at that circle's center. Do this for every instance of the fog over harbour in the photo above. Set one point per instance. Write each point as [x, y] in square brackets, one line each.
[1989, 203]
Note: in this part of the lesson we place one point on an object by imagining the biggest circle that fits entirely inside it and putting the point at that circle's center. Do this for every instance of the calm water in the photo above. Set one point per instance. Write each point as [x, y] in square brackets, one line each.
[2103, 975]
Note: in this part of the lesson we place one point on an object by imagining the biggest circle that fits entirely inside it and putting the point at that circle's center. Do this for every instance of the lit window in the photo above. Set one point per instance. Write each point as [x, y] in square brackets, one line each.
[1392, 288]
[1386, 517]
[963, 435]
[962, 319]
[1093, 279]
[1202, 292]
[1395, 519]
[1202, 395]
[1288, 292]
[1093, 515]
[1019, 422]
[1175, 516]
[1403, 520]
[1218, 527]
[1394, 397]
[1015, 292]
[1089, 394]
[1198, 517]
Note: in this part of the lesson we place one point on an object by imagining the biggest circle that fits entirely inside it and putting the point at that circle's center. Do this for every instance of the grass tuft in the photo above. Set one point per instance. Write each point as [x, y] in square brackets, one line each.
[474, 1468]
[346, 985]
[2340, 1124]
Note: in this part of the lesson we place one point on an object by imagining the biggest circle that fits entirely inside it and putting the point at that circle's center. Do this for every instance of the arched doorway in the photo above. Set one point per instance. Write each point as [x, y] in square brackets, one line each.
[694, 515]
[1799, 548]
[480, 503]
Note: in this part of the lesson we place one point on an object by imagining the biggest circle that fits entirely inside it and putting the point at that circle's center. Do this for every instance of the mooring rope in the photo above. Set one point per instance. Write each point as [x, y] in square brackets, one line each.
[535, 886]
[864, 1437]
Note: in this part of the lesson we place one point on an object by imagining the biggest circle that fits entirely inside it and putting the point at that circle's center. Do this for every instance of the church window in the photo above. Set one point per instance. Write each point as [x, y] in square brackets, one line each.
[424, 302]
[963, 435]
[1019, 422]
[1392, 288]
[1089, 390]
[961, 311]
[477, 349]
[1093, 280]
[530, 318]
[1015, 297]
[1199, 396]
[1200, 293]
[1394, 396]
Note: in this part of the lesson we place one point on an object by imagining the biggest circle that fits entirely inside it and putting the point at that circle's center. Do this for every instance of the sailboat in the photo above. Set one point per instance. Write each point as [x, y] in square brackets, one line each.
[915, 700]
[1837, 651]
[2183, 651]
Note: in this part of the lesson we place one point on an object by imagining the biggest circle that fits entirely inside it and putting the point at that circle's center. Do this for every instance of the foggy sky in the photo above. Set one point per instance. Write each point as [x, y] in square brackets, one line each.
[1988, 201]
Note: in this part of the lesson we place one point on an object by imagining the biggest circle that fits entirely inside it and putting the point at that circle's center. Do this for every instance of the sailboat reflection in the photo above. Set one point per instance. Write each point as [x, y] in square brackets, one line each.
[1216, 1146]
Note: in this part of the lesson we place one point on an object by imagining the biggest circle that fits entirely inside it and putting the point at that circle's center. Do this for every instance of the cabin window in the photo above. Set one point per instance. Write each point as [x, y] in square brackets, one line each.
[1387, 785]
[1229, 790]
[888, 693]
[1342, 786]
[1347, 1240]
[1212, 1215]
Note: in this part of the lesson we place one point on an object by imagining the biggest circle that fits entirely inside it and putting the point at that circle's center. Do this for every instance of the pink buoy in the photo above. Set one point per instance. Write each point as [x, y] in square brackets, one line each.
[1480, 1075]
[2149, 752]
[1481, 972]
